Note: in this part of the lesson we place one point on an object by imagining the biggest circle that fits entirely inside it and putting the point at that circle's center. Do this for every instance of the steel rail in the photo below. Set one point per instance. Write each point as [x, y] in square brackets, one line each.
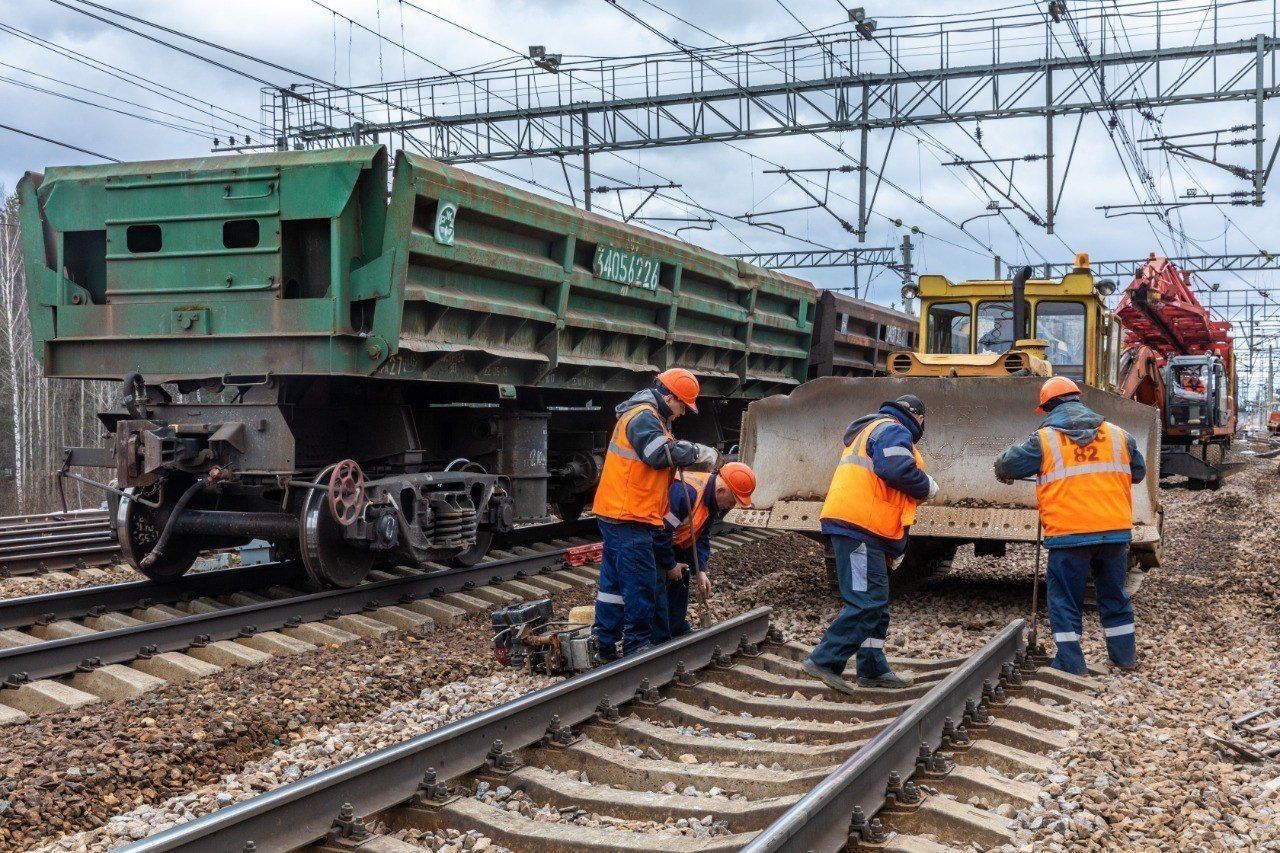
[23, 532]
[75, 603]
[819, 821]
[32, 544]
[302, 812]
[11, 521]
[60, 555]
[120, 645]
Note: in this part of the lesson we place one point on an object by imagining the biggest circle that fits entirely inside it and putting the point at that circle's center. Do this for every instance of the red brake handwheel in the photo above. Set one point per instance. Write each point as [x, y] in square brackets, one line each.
[346, 492]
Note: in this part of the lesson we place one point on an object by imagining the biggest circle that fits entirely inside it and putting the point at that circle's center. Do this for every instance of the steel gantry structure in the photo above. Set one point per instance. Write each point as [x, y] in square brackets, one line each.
[1252, 262]
[782, 87]
[883, 256]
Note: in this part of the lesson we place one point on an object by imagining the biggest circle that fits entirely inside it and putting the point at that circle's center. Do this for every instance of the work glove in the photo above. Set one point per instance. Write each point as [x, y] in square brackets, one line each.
[693, 456]
[933, 488]
[897, 561]
[683, 453]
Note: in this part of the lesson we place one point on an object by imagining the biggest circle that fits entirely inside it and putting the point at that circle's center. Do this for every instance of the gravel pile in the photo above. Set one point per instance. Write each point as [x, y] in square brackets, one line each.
[1140, 772]
[315, 751]
[24, 585]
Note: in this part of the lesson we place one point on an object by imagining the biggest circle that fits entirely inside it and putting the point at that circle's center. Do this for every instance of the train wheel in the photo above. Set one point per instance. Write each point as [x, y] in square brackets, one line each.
[329, 558]
[138, 526]
[571, 509]
[474, 554]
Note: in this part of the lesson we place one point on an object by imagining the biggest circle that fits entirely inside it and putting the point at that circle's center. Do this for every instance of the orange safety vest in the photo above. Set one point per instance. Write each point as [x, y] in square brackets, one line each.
[686, 531]
[630, 490]
[1085, 489]
[858, 496]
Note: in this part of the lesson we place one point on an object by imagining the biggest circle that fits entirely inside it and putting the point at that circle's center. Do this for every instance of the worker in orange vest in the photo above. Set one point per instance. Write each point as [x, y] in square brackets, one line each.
[631, 502]
[878, 483]
[1085, 468]
[696, 501]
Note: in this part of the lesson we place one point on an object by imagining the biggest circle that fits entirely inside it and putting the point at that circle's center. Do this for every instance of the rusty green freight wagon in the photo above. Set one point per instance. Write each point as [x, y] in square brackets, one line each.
[362, 379]
[294, 264]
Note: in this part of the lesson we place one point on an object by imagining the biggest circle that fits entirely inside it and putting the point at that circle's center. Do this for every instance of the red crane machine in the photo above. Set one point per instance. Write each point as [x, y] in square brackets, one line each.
[1182, 361]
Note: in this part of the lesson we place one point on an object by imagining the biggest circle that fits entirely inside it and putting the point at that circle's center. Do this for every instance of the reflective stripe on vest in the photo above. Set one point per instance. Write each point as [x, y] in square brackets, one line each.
[858, 496]
[686, 532]
[629, 490]
[1084, 489]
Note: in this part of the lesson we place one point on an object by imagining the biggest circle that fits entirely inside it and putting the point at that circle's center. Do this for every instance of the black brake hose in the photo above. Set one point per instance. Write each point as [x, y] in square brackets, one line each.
[158, 550]
[130, 400]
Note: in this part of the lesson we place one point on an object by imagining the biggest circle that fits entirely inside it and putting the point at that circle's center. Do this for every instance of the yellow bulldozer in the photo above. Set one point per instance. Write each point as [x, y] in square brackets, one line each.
[985, 348]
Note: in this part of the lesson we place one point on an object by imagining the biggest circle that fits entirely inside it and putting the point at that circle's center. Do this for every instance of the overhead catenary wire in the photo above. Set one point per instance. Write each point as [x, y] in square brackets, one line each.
[723, 218]
[289, 91]
[57, 142]
[925, 132]
[229, 118]
[183, 128]
[882, 177]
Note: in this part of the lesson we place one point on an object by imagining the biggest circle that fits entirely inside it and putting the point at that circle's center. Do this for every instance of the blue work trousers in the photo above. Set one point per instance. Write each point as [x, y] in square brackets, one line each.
[670, 615]
[863, 623]
[1069, 570]
[628, 587]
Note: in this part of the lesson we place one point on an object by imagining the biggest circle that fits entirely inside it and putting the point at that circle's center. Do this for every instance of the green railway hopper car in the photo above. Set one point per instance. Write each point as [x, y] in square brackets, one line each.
[363, 377]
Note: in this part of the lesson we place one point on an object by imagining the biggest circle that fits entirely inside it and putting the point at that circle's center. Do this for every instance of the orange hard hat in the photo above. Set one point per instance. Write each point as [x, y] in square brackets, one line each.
[1055, 386]
[740, 479]
[683, 384]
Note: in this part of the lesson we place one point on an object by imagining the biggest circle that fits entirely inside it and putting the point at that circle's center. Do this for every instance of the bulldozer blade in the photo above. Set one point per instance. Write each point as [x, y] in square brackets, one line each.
[794, 441]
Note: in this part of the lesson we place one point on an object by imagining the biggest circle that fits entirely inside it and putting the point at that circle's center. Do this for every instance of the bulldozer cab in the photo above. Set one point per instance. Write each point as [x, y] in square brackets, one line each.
[971, 328]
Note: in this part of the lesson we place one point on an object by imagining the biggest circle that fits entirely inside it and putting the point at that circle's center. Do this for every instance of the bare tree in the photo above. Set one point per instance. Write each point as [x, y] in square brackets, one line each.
[39, 417]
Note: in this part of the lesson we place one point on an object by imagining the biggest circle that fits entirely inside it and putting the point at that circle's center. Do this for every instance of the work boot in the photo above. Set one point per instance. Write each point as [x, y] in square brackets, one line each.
[887, 681]
[828, 678]
[605, 655]
[1126, 667]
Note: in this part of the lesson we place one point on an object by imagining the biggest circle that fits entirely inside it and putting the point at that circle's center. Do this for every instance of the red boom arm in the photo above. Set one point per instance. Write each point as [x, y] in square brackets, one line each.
[1160, 310]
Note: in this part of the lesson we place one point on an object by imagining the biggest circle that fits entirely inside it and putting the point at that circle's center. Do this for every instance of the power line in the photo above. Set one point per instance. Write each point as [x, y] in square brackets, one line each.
[289, 92]
[770, 110]
[723, 218]
[170, 45]
[132, 78]
[57, 142]
[201, 132]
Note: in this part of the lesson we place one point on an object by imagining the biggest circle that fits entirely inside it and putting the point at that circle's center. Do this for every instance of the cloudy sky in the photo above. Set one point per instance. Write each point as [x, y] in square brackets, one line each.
[79, 80]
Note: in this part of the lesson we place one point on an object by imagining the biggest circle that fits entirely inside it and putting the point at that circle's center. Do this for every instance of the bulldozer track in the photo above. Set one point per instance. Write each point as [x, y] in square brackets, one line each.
[720, 729]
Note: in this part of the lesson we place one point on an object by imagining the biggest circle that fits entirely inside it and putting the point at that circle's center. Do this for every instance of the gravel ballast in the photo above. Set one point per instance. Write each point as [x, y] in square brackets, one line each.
[71, 771]
[20, 586]
[1139, 772]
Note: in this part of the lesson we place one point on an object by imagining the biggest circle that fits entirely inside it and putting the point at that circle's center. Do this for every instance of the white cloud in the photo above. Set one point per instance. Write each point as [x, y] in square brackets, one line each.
[299, 34]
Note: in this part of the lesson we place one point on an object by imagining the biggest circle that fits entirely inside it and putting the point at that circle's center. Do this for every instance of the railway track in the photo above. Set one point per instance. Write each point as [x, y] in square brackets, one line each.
[55, 541]
[713, 742]
[68, 649]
